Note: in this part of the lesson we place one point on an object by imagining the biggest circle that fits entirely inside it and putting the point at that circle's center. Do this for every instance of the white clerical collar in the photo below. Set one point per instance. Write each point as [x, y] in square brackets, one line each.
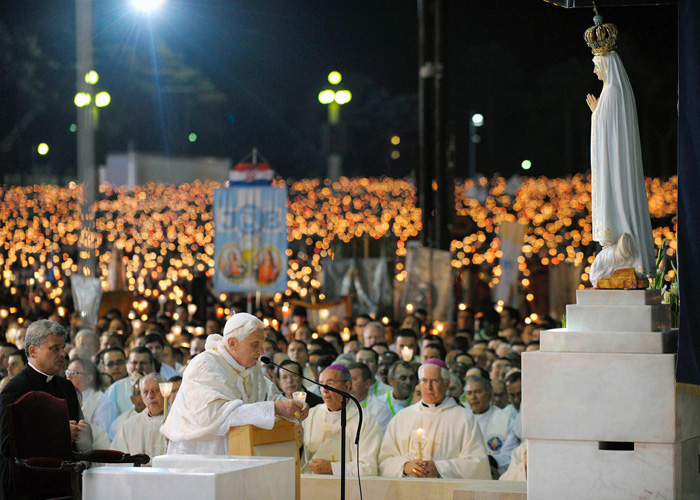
[484, 416]
[48, 377]
[428, 405]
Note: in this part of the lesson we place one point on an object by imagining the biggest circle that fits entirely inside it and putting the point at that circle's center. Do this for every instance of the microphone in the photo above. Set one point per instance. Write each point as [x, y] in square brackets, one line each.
[346, 395]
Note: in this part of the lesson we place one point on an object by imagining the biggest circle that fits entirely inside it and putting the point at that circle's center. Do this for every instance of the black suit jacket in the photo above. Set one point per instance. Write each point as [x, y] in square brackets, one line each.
[26, 381]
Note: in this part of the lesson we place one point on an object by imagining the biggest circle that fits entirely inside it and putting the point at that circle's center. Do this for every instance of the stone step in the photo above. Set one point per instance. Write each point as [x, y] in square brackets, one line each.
[593, 296]
[567, 340]
[618, 318]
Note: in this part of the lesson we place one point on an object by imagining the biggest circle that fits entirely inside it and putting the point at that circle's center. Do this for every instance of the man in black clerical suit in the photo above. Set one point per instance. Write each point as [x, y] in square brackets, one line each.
[45, 346]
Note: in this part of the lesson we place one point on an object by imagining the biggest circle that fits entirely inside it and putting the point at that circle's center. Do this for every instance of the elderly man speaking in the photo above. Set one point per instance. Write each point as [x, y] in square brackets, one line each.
[223, 387]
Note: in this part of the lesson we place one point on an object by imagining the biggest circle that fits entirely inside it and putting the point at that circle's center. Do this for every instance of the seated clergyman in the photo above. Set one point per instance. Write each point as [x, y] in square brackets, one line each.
[322, 432]
[141, 433]
[436, 437]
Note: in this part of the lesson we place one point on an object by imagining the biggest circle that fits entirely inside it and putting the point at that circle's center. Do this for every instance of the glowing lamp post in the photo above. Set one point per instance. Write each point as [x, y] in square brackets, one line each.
[476, 121]
[334, 98]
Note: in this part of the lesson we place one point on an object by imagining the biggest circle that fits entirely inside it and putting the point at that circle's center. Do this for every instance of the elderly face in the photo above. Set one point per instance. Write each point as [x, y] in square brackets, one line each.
[332, 378]
[50, 356]
[433, 385]
[368, 358]
[247, 352]
[478, 397]
[152, 398]
[88, 342]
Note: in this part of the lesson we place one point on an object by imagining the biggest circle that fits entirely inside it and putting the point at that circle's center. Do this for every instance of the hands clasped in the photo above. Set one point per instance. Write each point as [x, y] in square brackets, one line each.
[420, 468]
[592, 102]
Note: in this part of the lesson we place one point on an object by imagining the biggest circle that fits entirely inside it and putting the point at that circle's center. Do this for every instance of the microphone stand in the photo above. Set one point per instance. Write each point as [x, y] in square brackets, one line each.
[343, 417]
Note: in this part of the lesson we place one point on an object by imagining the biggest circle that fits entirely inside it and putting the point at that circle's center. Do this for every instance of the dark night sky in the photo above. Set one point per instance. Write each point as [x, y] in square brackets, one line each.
[521, 63]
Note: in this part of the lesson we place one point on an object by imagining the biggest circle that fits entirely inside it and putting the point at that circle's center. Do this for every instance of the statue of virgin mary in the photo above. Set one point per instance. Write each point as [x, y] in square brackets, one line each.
[620, 209]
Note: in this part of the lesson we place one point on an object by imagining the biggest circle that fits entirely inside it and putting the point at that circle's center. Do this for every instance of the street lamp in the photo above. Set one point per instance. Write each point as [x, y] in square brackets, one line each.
[334, 97]
[476, 121]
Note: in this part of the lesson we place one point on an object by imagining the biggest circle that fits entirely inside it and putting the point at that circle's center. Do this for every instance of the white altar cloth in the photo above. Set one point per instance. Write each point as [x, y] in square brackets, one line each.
[188, 477]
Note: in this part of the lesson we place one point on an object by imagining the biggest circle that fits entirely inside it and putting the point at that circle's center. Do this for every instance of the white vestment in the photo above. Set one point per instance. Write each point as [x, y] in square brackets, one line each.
[322, 440]
[381, 412]
[90, 399]
[497, 430]
[618, 193]
[216, 394]
[141, 434]
[379, 389]
[517, 470]
[119, 422]
[452, 440]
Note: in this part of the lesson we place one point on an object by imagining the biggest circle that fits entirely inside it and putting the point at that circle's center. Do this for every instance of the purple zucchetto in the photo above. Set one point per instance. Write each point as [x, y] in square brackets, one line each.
[436, 362]
[338, 367]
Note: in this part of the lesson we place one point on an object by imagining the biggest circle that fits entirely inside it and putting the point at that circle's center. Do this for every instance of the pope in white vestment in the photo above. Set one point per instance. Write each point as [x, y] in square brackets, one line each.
[322, 432]
[222, 387]
[436, 437]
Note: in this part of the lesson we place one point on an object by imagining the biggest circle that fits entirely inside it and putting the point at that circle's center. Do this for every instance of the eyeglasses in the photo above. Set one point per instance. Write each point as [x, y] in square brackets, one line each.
[112, 364]
[140, 363]
[72, 373]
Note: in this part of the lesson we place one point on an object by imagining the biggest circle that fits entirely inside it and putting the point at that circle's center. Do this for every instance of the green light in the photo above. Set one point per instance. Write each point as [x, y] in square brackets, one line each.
[42, 149]
[82, 99]
[326, 96]
[91, 77]
[73, 127]
[526, 164]
[343, 96]
[192, 137]
[334, 78]
[102, 99]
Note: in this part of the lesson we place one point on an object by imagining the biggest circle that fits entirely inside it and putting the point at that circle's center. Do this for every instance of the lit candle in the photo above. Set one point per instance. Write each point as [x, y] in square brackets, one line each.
[406, 353]
[409, 308]
[420, 432]
[166, 388]
[299, 396]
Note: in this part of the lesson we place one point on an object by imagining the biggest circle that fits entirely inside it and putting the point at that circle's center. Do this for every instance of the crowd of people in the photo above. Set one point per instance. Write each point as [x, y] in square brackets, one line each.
[436, 402]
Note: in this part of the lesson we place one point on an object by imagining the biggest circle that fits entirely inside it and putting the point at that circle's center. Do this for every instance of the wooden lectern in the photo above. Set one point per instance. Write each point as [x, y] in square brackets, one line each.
[280, 441]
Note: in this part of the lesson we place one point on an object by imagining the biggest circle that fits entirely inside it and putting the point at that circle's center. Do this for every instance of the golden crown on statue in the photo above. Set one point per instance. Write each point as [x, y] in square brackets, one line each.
[601, 38]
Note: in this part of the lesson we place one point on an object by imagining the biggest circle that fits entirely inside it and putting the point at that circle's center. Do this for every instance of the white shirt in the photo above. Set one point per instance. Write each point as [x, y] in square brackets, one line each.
[141, 434]
[381, 412]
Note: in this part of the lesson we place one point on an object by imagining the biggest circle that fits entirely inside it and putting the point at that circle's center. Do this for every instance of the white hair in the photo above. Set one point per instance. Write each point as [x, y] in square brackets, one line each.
[444, 373]
[241, 325]
[151, 376]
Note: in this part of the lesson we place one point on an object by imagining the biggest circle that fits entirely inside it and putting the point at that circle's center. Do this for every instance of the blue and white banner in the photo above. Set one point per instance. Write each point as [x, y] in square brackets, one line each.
[250, 239]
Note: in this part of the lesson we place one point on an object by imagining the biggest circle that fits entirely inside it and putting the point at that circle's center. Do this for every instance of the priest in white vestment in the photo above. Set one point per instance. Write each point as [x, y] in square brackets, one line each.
[322, 431]
[224, 386]
[495, 424]
[436, 437]
[362, 380]
[141, 433]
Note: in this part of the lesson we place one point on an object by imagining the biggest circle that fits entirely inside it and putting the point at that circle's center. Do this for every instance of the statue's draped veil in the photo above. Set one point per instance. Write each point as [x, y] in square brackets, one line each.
[619, 199]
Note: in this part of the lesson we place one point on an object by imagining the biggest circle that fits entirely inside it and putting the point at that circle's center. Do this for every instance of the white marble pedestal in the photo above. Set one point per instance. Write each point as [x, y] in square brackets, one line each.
[190, 477]
[600, 410]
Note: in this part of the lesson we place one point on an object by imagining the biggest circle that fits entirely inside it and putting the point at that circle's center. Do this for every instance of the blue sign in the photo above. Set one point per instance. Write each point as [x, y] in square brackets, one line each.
[250, 239]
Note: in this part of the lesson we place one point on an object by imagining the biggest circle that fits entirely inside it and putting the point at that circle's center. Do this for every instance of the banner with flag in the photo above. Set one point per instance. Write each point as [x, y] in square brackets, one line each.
[250, 239]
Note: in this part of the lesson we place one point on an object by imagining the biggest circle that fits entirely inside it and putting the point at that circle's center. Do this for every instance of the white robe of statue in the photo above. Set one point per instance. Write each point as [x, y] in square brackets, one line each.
[322, 440]
[452, 440]
[618, 194]
[141, 434]
[216, 394]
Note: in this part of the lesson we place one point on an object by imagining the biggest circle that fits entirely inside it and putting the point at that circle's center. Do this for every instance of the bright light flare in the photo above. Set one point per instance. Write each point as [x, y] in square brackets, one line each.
[343, 96]
[147, 5]
[326, 96]
[477, 119]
